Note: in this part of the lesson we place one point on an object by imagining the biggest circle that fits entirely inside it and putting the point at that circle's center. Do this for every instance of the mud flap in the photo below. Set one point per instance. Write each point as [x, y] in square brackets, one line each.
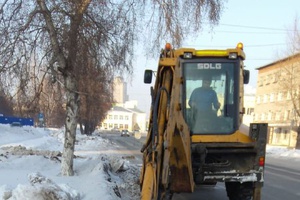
[257, 193]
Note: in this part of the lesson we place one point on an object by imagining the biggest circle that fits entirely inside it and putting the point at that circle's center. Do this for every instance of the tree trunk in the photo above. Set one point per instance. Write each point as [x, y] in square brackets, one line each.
[298, 139]
[81, 128]
[72, 108]
[89, 128]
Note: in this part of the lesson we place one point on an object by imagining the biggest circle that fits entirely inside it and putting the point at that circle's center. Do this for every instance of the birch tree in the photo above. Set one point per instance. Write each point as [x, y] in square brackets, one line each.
[289, 82]
[53, 32]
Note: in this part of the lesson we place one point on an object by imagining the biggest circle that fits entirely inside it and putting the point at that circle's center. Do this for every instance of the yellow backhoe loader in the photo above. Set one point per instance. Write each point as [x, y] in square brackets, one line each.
[196, 134]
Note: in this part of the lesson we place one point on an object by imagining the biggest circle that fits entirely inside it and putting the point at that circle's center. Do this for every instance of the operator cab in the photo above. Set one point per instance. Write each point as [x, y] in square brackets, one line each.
[209, 117]
[211, 96]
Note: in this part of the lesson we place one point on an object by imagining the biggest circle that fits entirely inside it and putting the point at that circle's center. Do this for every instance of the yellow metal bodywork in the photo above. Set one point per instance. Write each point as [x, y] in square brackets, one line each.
[210, 52]
[235, 137]
[167, 161]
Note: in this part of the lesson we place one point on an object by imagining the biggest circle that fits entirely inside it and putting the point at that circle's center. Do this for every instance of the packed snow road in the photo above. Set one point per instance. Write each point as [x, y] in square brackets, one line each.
[129, 146]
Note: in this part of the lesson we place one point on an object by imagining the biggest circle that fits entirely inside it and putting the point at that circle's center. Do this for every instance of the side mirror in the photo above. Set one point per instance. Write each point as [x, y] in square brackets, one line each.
[246, 75]
[148, 76]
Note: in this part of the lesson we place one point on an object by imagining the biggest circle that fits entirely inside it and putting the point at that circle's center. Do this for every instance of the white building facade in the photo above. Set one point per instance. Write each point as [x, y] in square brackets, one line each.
[118, 118]
[121, 118]
[124, 114]
[249, 105]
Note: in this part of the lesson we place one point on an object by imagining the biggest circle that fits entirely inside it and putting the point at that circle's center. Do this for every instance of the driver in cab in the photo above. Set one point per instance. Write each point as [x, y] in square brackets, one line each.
[204, 98]
[204, 101]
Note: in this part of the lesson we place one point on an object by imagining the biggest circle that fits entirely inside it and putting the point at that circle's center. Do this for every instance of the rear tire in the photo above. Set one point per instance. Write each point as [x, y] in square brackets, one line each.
[166, 195]
[210, 183]
[239, 191]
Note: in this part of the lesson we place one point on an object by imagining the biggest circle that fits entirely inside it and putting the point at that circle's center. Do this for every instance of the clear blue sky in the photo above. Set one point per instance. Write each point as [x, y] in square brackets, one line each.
[261, 25]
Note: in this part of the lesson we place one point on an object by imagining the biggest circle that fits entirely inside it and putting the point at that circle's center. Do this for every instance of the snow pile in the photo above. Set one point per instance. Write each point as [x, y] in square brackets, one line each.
[30, 168]
[281, 151]
[43, 188]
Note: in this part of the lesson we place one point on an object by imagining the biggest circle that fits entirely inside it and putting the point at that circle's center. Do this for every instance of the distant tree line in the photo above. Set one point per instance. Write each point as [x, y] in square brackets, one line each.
[45, 95]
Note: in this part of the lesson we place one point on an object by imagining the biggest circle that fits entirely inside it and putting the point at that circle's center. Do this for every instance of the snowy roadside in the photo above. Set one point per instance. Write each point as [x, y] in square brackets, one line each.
[30, 168]
[282, 151]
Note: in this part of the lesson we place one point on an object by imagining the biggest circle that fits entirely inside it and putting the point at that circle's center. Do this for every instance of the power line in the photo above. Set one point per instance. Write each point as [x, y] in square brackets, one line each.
[249, 32]
[252, 27]
[271, 59]
[245, 46]
[265, 45]
[255, 27]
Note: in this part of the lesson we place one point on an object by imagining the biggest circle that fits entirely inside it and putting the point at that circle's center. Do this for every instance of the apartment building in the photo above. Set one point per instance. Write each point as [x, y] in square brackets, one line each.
[124, 118]
[124, 114]
[117, 118]
[120, 90]
[277, 99]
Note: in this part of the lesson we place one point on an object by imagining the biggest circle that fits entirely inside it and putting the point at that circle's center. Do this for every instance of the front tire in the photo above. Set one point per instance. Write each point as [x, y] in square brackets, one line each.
[239, 191]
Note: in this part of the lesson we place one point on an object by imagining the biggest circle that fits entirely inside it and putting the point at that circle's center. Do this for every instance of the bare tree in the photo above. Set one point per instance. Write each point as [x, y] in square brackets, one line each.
[95, 95]
[289, 81]
[54, 31]
[288, 90]
[52, 102]
[6, 107]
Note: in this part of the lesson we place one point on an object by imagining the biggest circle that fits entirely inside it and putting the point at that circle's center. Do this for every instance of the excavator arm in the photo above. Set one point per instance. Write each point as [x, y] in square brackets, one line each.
[166, 153]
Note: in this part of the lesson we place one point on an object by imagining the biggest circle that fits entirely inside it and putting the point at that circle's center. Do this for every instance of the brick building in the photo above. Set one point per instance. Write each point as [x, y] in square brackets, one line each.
[277, 99]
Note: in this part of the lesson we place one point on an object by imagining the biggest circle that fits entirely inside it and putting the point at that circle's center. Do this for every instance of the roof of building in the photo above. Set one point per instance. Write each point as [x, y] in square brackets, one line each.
[120, 109]
[279, 61]
[136, 110]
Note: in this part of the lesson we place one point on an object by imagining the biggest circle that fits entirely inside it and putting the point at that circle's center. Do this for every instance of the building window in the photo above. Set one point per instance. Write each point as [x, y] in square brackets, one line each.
[126, 117]
[250, 111]
[296, 93]
[270, 116]
[266, 96]
[260, 82]
[258, 100]
[121, 117]
[267, 81]
[115, 117]
[256, 117]
[263, 116]
[276, 76]
[110, 117]
[279, 97]
[277, 117]
[272, 78]
[287, 114]
[278, 130]
[272, 97]
[285, 135]
[121, 126]
[110, 126]
[126, 126]
[288, 96]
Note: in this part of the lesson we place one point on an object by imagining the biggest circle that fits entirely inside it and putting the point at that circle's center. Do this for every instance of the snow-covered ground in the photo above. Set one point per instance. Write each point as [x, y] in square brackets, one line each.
[30, 167]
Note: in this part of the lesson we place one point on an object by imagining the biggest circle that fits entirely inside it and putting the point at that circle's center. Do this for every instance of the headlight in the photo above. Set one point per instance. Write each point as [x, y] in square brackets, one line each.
[232, 55]
[187, 55]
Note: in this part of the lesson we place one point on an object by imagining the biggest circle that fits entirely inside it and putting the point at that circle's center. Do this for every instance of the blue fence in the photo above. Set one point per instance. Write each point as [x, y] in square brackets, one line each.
[21, 121]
